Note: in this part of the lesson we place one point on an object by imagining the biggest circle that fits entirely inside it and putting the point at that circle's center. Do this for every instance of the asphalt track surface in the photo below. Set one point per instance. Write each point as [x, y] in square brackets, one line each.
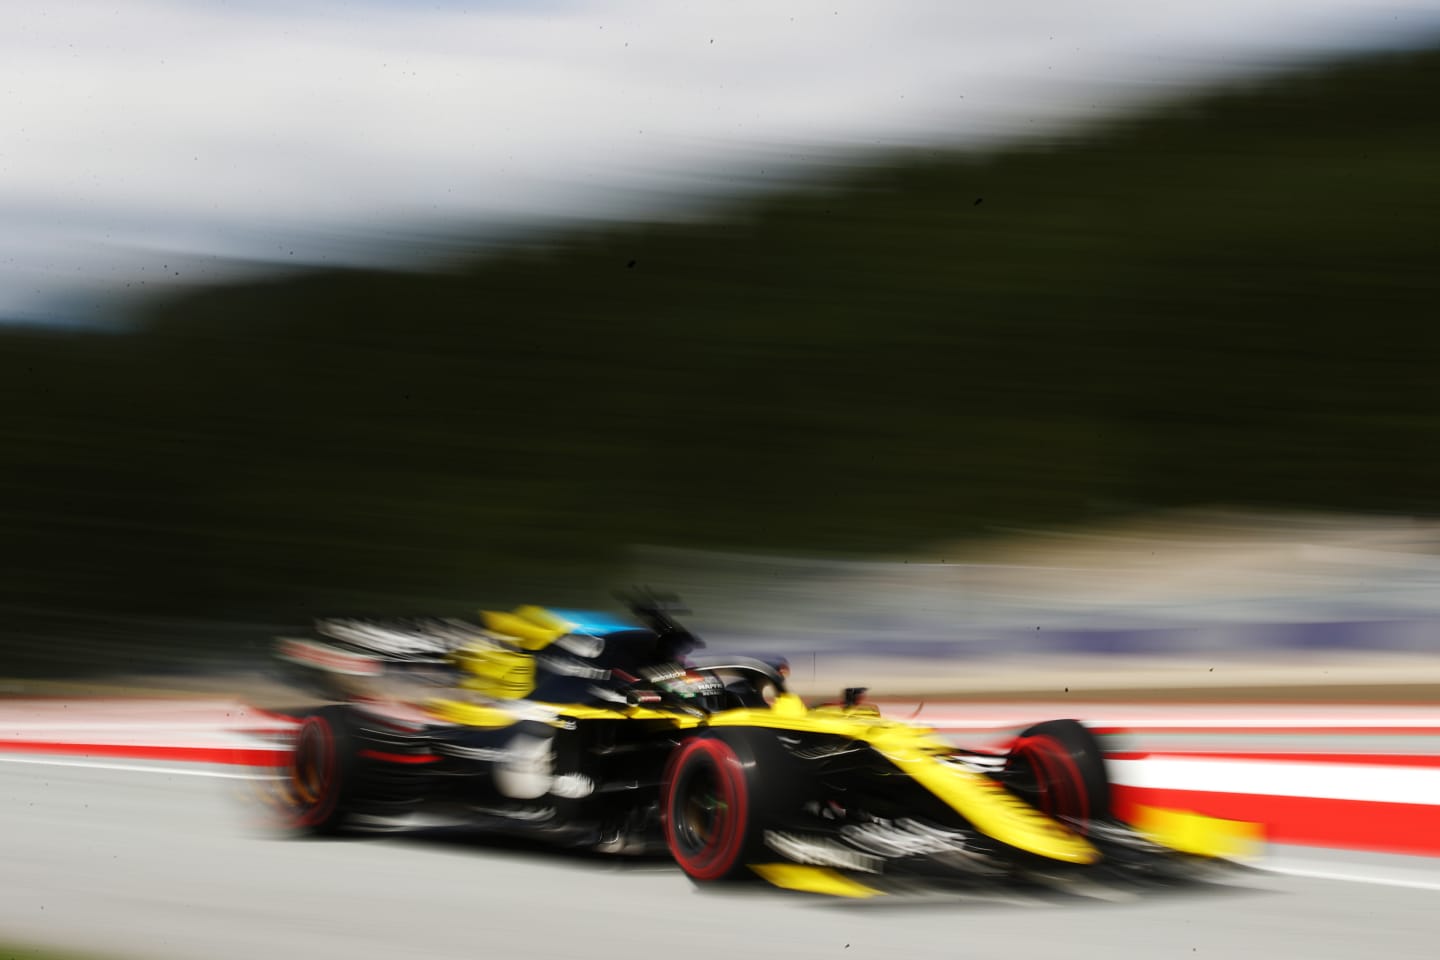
[170, 864]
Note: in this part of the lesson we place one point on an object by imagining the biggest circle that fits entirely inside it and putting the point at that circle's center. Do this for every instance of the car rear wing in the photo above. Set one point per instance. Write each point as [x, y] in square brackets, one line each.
[364, 659]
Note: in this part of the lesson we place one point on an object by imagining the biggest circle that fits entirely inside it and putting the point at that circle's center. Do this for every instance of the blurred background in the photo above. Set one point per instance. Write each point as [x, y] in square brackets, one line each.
[918, 328]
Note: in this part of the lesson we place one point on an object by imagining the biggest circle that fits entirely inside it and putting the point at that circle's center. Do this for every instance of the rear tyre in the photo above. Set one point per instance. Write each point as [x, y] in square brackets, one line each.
[707, 810]
[320, 779]
[1058, 768]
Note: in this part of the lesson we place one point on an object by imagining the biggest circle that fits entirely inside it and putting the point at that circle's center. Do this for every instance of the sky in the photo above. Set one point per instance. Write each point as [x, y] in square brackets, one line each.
[157, 143]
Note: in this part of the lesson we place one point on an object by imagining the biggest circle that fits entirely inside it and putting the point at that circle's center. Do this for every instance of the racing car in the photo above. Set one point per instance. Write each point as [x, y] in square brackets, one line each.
[611, 733]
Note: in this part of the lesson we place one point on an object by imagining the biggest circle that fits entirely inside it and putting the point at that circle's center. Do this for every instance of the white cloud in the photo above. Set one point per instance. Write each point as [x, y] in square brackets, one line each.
[175, 130]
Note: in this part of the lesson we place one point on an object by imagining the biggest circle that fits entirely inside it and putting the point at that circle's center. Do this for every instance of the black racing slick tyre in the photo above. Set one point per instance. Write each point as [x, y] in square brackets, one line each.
[320, 779]
[707, 810]
[723, 789]
[1058, 768]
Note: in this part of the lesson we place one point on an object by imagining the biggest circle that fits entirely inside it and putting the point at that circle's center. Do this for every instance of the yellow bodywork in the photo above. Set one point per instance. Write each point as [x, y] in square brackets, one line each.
[529, 628]
[919, 754]
[499, 664]
[915, 751]
[796, 876]
[495, 672]
[469, 714]
[521, 630]
[1198, 834]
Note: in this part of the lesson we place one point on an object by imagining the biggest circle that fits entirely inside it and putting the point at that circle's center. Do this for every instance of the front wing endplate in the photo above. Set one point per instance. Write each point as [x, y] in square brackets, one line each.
[823, 880]
[1198, 834]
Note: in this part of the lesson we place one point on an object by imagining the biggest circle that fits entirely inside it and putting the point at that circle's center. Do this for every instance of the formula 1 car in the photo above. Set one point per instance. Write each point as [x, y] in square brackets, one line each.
[587, 730]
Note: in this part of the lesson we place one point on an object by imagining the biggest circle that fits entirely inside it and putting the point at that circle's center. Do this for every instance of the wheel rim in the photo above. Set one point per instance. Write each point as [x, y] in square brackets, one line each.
[312, 773]
[705, 810]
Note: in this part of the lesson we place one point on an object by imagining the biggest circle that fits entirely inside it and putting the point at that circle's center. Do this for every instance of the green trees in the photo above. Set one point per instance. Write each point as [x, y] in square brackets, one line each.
[1232, 302]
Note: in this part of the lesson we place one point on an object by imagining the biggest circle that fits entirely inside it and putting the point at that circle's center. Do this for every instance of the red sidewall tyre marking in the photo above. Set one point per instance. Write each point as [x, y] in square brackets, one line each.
[316, 735]
[722, 851]
[1061, 789]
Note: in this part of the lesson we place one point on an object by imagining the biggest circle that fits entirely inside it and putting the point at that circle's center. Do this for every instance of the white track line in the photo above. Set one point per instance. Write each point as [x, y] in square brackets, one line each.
[16, 728]
[1318, 781]
[180, 771]
[1381, 881]
[1429, 722]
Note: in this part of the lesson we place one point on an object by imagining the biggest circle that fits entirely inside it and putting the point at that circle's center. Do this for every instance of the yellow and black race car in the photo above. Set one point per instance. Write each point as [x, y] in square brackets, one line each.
[587, 730]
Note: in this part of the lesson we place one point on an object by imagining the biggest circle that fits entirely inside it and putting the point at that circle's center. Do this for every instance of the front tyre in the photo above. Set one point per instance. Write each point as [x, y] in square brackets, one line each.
[1058, 768]
[706, 810]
